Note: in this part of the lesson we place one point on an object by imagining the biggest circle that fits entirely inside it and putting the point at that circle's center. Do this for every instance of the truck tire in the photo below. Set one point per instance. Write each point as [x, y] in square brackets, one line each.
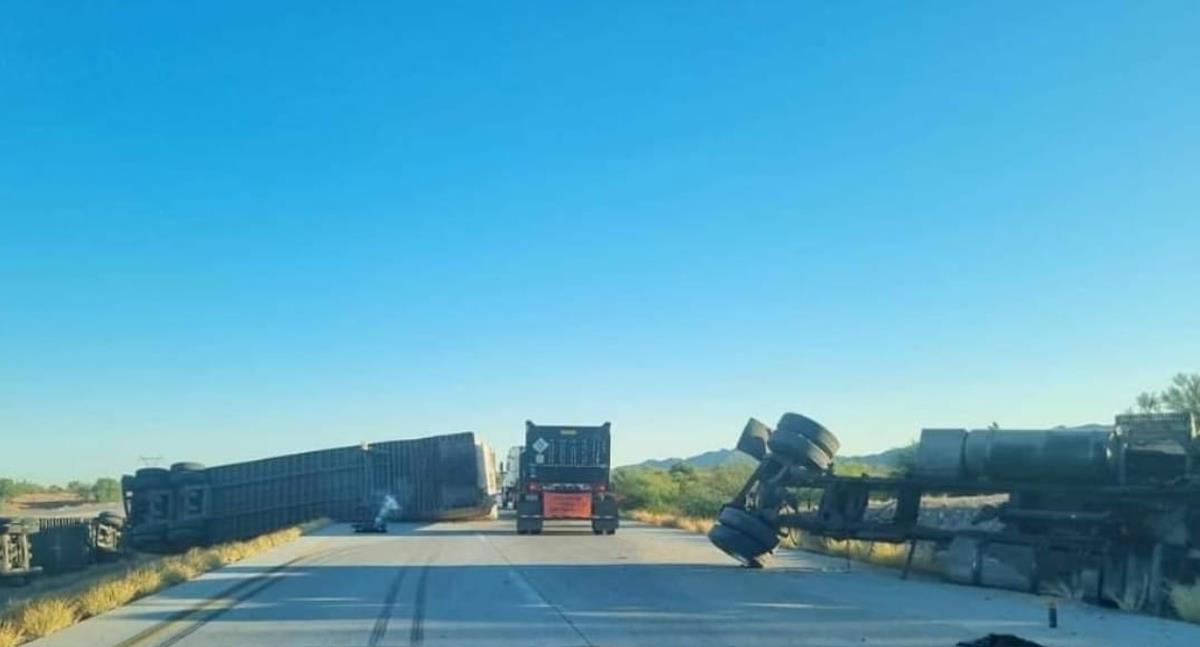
[754, 438]
[151, 477]
[751, 526]
[810, 429]
[111, 519]
[188, 477]
[737, 545]
[799, 449]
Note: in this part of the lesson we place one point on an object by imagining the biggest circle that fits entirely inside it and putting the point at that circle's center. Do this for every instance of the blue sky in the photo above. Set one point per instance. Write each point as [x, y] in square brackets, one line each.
[228, 232]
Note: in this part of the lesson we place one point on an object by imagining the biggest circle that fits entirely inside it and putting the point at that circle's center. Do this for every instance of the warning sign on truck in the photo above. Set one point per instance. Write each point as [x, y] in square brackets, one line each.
[567, 505]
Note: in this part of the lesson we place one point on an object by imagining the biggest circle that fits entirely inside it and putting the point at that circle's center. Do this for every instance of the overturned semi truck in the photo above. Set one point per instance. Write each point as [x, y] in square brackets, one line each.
[1109, 514]
[437, 478]
[32, 547]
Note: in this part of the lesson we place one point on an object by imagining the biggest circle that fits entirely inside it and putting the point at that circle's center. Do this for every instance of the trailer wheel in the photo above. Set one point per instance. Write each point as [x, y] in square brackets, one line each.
[148, 477]
[799, 449]
[737, 545]
[753, 440]
[751, 526]
[810, 429]
[111, 519]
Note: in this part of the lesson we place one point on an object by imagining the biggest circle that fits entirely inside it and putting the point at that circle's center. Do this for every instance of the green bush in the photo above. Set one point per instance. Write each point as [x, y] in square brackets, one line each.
[106, 490]
[682, 489]
[690, 491]
[10, 488]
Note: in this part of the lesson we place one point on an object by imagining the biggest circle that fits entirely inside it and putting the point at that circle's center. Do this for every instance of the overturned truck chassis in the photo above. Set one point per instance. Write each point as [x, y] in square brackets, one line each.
[1107, 514]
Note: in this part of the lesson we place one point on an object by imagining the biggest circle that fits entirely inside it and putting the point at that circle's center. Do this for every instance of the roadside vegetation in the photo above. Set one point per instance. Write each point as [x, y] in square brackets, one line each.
[1182, 394]
[689, 498]
[102, 490]
[38, 617]
[684, 490]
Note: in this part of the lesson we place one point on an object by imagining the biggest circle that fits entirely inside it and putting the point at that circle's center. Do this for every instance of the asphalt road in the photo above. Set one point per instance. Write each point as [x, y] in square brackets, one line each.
[478, 583]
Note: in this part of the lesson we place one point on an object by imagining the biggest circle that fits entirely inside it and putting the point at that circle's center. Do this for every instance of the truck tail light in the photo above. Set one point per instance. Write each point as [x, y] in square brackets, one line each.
[599, 487]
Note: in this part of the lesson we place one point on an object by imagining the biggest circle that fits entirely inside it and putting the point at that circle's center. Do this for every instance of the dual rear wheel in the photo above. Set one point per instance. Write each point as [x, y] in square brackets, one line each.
[743, 536]
[803, 441]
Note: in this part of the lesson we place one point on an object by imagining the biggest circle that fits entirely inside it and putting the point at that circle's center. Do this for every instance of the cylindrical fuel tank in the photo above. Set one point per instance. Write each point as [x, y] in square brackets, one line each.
[1045, 455]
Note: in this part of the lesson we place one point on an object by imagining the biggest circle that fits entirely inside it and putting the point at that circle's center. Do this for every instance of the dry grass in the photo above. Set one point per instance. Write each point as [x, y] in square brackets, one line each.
[46, 616]
[878, 553]
[690, 524]
[881, 554]
[1186, 600]
[10, 634]
[42, 616]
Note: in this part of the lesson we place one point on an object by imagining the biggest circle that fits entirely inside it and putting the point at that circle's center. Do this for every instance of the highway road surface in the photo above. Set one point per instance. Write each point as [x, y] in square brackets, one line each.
[478, 583]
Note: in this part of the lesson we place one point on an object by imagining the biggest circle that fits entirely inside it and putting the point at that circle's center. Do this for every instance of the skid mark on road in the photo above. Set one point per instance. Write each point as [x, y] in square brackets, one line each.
[385, 615]
[417, 635]
[531, 592]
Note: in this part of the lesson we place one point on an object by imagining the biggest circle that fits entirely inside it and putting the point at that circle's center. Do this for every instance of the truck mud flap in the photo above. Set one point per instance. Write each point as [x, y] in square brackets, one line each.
[529, 516]
[605, 517]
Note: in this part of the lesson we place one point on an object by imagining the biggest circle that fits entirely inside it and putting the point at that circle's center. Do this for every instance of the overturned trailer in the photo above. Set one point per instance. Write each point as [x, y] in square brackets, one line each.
[33, 547]
[436, 478]
[1107, 514]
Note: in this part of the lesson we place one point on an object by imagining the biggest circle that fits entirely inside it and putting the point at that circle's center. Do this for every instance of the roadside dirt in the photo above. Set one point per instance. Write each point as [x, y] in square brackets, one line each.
[62, 504]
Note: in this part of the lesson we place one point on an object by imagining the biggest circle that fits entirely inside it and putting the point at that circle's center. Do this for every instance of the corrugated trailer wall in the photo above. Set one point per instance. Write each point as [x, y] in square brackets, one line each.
[62, 544]
[259, 496]
[431, 478]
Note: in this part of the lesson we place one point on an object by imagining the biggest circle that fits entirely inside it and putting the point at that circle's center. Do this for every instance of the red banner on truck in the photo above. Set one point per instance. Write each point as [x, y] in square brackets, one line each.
[567, 505]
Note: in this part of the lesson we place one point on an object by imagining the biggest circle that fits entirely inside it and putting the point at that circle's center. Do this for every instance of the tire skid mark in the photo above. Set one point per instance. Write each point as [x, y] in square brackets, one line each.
[385, 614]
[416, 636]
[526, 585]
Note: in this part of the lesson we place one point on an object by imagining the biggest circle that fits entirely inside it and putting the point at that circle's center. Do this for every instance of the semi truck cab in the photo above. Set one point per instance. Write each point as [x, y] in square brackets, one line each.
[564, 474]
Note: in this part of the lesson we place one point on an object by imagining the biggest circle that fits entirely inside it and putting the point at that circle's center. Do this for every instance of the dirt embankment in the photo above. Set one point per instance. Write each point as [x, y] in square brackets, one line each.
[55, 504]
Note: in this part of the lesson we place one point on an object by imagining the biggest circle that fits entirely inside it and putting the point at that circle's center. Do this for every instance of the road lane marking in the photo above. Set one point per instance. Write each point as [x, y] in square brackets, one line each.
[221, 603]
[531, 592]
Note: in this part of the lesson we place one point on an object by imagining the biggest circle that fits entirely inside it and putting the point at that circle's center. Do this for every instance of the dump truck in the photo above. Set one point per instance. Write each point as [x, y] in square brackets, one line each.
[564, 474]
[1109, 514]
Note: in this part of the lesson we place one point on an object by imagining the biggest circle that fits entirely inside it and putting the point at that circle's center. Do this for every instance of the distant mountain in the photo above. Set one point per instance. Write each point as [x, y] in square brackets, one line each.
[714, 458]
[886, 459]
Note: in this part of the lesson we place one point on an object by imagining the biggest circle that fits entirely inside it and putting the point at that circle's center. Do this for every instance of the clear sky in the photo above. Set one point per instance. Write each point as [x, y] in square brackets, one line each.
[233, 231]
